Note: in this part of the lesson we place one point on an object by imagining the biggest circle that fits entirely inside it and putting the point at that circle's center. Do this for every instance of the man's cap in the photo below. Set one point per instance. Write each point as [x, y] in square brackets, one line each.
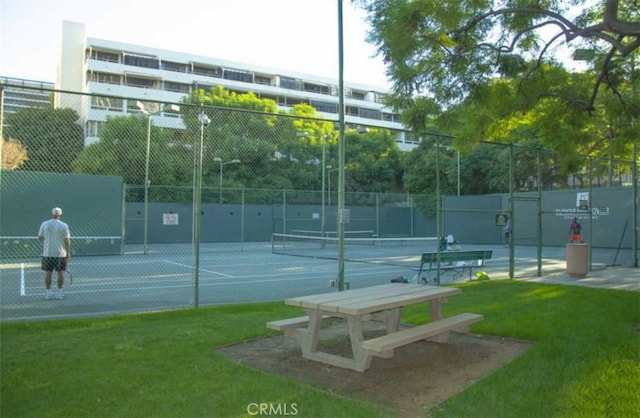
[56, 211]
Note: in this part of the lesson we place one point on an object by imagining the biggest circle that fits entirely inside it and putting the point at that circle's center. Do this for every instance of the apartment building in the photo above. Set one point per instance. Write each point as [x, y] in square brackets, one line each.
[113, 71]
[18, 94]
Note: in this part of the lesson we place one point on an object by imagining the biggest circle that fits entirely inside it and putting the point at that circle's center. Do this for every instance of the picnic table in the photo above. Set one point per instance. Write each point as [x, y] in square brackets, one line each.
[379, 303]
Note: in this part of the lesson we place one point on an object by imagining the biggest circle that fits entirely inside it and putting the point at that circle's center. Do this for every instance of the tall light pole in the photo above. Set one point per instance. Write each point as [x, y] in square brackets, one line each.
[331, 170]
[342, 215]
[323, 177]
[324, 171]
[219, 160]
[458, 157]
[140, 106]
[197, 194]
[328, 167]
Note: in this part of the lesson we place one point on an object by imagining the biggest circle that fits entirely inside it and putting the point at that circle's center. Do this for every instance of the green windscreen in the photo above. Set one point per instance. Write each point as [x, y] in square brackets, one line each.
[91, 205]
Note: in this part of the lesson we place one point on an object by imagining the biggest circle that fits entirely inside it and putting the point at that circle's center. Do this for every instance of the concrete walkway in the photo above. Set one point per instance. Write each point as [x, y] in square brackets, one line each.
[623, 278]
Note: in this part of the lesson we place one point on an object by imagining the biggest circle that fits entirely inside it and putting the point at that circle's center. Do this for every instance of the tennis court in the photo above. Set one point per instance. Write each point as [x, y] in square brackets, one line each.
[234, 273]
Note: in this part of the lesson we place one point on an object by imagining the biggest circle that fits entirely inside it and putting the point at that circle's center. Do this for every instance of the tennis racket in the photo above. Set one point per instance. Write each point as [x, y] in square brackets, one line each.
[68, 275]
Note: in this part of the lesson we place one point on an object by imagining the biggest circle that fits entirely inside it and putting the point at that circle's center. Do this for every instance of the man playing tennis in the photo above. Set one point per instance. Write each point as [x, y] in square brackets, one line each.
[56, 250]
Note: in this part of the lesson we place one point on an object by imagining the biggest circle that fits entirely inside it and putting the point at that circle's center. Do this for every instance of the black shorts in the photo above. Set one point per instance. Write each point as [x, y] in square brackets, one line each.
[54, 263]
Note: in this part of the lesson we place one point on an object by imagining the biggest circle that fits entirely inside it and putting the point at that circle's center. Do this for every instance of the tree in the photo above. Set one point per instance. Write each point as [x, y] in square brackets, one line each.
[374, 162]
[439, 53]
[121, 151]
[276, 149]
[14, 154]
[52, 137]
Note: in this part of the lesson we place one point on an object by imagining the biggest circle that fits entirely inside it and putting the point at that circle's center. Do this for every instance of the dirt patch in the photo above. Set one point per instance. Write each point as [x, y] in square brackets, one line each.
[416, 379]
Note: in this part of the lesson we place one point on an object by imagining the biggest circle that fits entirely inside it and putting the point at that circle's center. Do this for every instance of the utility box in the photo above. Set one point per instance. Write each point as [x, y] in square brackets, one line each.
[578, 259]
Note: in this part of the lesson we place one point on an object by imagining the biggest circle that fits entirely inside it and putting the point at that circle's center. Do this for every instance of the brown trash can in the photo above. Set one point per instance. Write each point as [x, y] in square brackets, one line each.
[578, 259]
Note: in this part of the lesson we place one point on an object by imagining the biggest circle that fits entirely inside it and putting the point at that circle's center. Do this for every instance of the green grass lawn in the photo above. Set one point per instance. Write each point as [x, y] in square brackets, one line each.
[585, 361]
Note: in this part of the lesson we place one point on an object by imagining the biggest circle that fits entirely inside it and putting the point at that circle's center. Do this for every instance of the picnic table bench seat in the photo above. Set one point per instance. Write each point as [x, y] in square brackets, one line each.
[290, 324]
[460, 262]
[421, 332]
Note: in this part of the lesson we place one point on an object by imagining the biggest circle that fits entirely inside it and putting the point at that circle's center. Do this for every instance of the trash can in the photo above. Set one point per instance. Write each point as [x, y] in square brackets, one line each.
[578, 259]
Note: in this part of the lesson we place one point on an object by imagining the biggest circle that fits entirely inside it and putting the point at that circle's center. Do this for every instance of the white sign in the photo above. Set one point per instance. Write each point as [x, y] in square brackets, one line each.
[582, 200]
[170, 219]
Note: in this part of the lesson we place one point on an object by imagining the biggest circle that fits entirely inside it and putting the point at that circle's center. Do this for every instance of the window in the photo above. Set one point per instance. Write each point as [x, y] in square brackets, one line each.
[207, 71]
[380, 97]
[370, 114]
[351, 111]
[316, 88]
[357, 95]
[174, 66]
[105, 78]
[141, 61]
[93, 128]
[177, 87]
[325, 107]
[145, 83]
[105, 56]
[150, 107]
[291, 101]
[113, 104]
[205, 87]
[258, 79]
[238, 76]
[289, 83]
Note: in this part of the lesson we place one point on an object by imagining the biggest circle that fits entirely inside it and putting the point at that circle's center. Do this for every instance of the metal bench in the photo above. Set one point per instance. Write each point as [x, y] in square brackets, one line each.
[461, 263]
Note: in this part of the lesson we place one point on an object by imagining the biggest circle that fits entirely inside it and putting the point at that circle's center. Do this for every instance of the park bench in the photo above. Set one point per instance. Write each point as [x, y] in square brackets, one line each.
[460, 263]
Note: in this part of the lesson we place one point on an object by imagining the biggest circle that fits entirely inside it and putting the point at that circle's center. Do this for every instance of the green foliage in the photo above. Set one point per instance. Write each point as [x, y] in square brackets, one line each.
[121, 151]
[374, 161]
[481, 70]
[52, 137]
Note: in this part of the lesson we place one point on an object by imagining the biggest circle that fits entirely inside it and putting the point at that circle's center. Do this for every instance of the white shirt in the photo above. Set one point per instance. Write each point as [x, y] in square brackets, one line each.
[54, 232]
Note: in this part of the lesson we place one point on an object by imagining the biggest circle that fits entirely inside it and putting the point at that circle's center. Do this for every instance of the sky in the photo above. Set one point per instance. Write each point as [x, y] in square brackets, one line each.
[293, 35]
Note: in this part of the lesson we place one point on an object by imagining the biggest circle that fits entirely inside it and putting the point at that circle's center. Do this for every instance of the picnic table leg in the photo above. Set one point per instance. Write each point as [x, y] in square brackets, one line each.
[361, 358]
[392, 320]
[436, 315]
[309, 340]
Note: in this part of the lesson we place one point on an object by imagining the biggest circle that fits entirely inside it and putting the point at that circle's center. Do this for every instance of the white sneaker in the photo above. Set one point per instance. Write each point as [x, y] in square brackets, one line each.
[48, 295]
[60, 295]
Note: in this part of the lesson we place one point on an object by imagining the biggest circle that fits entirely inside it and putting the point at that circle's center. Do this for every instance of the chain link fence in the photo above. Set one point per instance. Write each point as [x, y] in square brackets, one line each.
[226, 199]
[176, 204]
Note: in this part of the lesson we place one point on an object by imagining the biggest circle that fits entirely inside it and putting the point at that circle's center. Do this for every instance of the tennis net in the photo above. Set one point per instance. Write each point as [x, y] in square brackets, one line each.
[394, 250]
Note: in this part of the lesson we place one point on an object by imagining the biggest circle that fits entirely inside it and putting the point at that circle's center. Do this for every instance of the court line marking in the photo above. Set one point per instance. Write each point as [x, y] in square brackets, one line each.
[201, 269]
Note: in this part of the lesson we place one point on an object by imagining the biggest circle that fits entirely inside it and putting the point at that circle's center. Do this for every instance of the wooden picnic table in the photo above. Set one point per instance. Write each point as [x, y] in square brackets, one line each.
[382, 303]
